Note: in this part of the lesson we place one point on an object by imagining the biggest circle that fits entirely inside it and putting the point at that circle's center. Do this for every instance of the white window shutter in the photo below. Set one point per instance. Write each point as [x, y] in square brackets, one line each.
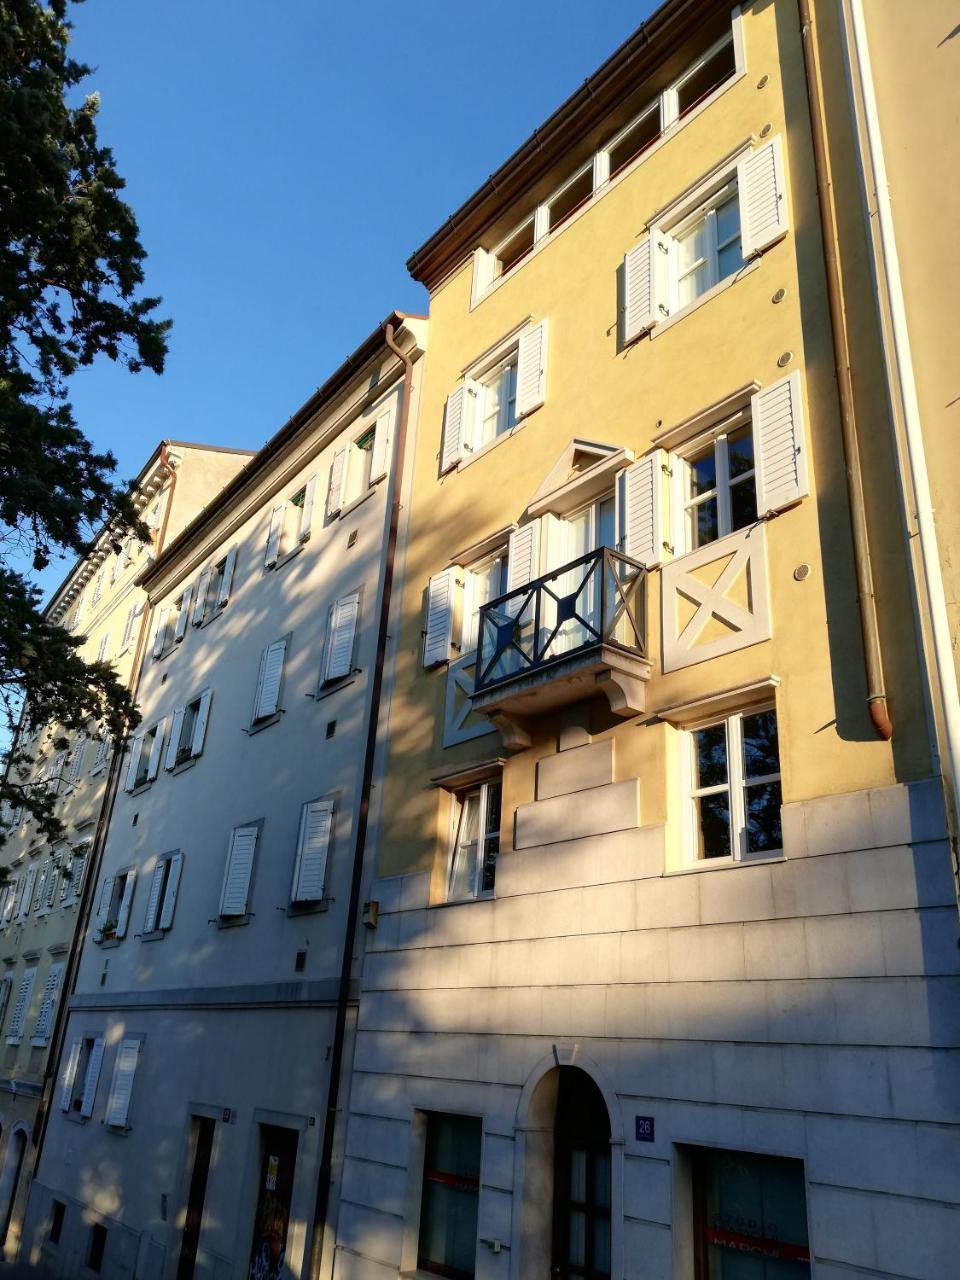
[135, 751]
[306, 511]
[48, 1002]
[226, 583]
[779, 445]
[338, 480]
[458, 424]
[236, 879]
[21, 884]
[92, 1079]
[170, 894]
[70, 1075]
[269, 679]
[10, 902]
[103, 646]
[763, 197]
[103, 907]
[126, 902]
[5, 984]
[441, 608]
[26, 898]
[159, 639]
[98, 586]
[640, 521]
[80, 867]
[21, 1005]
[41, 885]
[200, 599]
[121, 1085]
[173, 743]
[128, 628]
[183, 616]
[153, 900]
[316, 824]
[67, 878]
[532, 369]
[341, 634]
[382, 445]
[641, 280]
[52, 885]
[200, 725]
[156, 751]
[103, 750]
[523, 556]
[76, 761]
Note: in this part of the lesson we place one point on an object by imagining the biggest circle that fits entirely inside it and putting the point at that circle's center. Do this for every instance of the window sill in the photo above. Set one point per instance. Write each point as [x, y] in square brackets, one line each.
[257, 726]
[670, 132]
[462, 902]
[663, 325]
[14, 1040]
[38, 1042]
[183, 766]
[154, 936]
[492, 444]
[233, 922]
[140, 788]
[109, 943]
[357, 502]
[286, 557]
[335, 686]
[75, 1117]
[206, 621]
[296, 909]
[726, 864]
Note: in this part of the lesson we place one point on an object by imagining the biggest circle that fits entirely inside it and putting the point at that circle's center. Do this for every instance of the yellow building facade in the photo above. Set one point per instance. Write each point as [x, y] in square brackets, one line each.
[665, 927]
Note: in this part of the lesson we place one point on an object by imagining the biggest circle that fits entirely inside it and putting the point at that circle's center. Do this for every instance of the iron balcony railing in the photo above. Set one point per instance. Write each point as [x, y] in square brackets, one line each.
[591, 603]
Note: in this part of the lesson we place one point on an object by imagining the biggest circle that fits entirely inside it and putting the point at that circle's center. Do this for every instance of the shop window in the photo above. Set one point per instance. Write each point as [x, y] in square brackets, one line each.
[451, 1193]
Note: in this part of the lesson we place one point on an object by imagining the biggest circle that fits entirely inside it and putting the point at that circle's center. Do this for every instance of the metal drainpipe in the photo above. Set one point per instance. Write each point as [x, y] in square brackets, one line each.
[52, 1069]
[346, 967]
[905, 389]
[866, 599]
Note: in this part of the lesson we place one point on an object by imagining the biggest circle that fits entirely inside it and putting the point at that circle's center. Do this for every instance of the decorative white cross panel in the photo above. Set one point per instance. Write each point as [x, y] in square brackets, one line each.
[460, 723]
[715, 600]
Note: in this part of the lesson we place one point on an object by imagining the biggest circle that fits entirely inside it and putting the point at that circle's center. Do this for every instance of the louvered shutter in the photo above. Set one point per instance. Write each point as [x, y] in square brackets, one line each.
[92, 1078]
[458, 424]
[382, 445]
[338, 480]
[160, 636]
[306, 511]
[21, 1005]
[121, 1085]
[81, 865]
[26, 898]
[316, 824]
[21, 884]
[236, 880]
[10, 901]
[779, 445]
[763, 197]
[102, 646]
[98, 586]
[341, 634]
[103, 750]
[156, 751]
[126, 901]
[226, 582]
[200, 724]
[200, 600]
[269, 680]
[76, 761]
[70, 1075]
[128, 628]
[641, 287]
[640, 510]
[173, 743]
[441, 608]
[52, 879]
[153, 899]
[42, 879]
[103, 907]
[183, 616]
[523, 560]
[170, 893]
[48, 1002]
[5, 984]
[67, 878]
[135, 752]
[532, 369]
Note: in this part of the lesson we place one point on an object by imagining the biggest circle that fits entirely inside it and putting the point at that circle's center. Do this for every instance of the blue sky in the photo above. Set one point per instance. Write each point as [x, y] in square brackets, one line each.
[283, 160]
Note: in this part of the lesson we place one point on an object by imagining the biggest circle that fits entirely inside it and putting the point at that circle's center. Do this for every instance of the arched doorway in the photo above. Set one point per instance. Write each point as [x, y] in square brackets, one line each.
[16, 1149]
[567, 1178]
[581, 1180]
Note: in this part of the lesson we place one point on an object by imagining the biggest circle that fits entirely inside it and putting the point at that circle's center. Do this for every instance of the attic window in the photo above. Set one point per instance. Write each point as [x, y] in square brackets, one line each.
[514, 248]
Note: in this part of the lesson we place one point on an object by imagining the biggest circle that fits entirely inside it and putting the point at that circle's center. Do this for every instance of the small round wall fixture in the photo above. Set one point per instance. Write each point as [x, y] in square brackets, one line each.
[763, 82]
[785, 359]
[779, 296]
[766, 130]
[802, 572]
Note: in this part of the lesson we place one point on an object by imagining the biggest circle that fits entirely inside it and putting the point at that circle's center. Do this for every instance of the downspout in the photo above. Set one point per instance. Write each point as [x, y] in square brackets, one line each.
[906, 390]
[350, 933]
[866, 599]
[52, 1069]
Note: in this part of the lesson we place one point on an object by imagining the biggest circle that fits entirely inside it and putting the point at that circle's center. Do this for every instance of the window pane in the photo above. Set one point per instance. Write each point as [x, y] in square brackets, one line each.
[451, 1179]
[713, 819]
[740, 451]
[578, 1176]
[491, 840]
[693, 284]
[692, 247]
[743, 503]
[729, 259]
[761, 751]
[601, 1174]
[576, 194]
[702, 472]
[578, 1239]
[606, 523]
[764, 833]
[601, 1245]
[704, 524]
[706, 78]
[464, 865]
[711, 756]
[516, 248]
[638, 139]
[728, 219]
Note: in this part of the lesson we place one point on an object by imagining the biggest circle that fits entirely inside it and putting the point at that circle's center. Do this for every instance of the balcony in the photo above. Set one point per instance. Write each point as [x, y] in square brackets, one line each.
[569, 635]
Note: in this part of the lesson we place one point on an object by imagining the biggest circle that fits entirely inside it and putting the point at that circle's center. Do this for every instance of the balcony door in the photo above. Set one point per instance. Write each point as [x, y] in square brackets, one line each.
[586, 530]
